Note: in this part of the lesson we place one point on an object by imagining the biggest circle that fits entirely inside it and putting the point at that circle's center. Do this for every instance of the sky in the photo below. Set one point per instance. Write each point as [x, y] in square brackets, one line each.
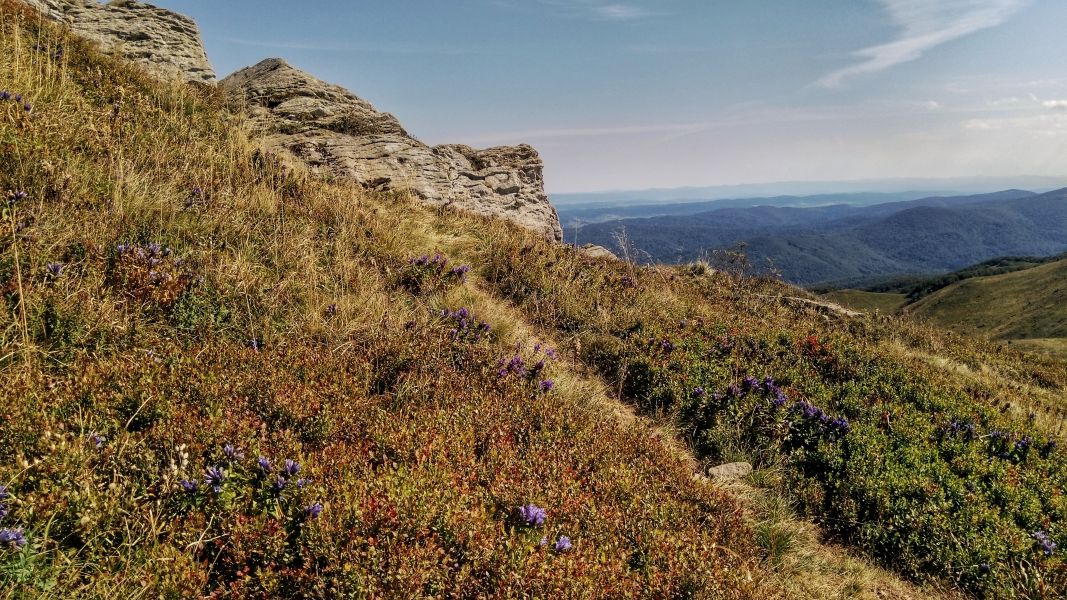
[633, 94]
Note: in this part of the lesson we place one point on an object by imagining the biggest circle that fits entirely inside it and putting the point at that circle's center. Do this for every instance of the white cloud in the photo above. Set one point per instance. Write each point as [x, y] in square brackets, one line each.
[1055, 104]
[924, 25]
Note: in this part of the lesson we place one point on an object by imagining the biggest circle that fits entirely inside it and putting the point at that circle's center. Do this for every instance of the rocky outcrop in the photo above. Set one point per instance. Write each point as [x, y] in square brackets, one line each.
[594, 251]
[166, 43]
[333, 130]
[730, 471]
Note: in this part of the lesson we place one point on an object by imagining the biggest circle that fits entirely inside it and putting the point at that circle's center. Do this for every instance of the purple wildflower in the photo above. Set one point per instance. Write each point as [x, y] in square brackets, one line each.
[5, 95]
[698, 392]
[264, 464]
[97, 439]
[233, 452]
[1047, 545]
[1023, 445]
[532, 515]
[563, 544]
[291, 467]
[189, 485]
[254, 343]
[313, 510]
[546, 385]
[750, 383]
[331, 311]
[841, 425]
[303, 482]
[279, 485]
[214, 476]
[4, 495]
[12, 537]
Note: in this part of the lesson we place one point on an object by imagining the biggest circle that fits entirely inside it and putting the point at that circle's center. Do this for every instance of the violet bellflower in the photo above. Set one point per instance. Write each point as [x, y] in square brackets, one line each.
[563, 544]
[532, 515]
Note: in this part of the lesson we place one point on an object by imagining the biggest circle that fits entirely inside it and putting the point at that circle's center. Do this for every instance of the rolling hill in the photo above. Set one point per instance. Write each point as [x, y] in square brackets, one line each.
[1024, 305]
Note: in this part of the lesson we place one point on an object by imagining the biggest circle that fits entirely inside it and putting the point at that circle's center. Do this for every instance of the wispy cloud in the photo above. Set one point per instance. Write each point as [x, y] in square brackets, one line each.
[924, 25]
[601, 10]
[621, 11]
[1043, 125]
[1055, 104]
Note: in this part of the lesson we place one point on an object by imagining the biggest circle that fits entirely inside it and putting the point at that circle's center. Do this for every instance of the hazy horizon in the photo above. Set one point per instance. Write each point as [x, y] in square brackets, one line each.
[639, 94]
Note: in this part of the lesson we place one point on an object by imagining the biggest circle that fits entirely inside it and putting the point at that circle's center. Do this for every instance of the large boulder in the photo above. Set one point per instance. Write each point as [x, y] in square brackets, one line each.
[166, 43]
[333, 130]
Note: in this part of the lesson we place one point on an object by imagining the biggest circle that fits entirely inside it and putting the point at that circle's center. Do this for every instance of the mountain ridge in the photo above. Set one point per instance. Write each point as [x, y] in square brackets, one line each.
[843, 245]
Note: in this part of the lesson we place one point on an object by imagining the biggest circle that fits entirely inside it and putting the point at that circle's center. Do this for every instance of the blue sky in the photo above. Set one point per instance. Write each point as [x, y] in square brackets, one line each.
[630, 94]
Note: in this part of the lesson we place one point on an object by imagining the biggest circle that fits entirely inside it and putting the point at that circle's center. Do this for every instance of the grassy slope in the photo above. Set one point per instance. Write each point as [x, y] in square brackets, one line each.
[918, 287]
[1022, 305]
[127, 373]
[861, 300]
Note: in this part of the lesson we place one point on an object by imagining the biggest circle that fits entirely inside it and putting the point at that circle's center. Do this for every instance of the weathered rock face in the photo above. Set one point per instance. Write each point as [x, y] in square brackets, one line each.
[331, 129]
[166, 43]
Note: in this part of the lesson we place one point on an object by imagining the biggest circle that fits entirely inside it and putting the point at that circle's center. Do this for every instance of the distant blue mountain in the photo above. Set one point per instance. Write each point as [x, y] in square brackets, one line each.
[850, 244]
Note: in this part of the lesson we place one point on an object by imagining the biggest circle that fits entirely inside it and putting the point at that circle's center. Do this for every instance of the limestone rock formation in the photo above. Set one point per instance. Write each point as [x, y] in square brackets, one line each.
[730, 471]
[166, 43]
[595, 251]
[333, 130]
